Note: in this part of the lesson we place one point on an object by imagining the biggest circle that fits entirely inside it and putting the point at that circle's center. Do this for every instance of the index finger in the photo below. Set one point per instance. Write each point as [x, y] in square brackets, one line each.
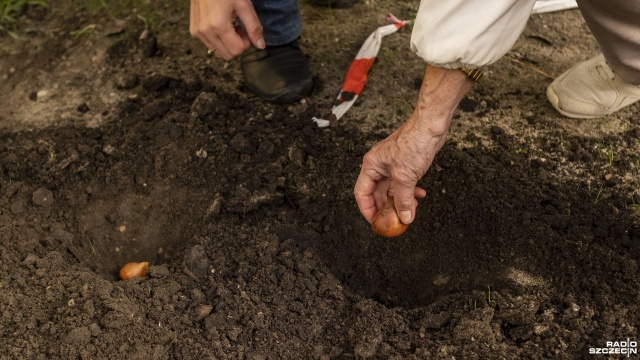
[363, 192]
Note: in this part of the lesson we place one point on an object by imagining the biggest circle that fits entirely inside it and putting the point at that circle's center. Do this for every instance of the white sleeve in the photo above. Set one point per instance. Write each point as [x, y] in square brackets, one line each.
[468, 33]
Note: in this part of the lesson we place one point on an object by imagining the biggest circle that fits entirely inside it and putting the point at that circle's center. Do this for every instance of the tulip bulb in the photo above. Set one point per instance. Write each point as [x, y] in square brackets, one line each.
[133, 269]
[386, 221]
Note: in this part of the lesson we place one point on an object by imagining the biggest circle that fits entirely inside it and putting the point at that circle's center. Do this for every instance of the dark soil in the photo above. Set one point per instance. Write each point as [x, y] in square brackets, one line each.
[527, 245]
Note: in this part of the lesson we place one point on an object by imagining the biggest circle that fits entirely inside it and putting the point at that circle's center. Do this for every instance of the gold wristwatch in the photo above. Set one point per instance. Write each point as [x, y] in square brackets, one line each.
[474, 74]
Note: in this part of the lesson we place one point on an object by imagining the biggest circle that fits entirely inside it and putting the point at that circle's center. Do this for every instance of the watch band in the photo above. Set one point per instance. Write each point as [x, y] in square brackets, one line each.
[474, 74]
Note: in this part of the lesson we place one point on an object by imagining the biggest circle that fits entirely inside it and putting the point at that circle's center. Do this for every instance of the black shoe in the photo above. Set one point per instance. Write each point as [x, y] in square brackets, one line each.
[334, 4]
[278, 73]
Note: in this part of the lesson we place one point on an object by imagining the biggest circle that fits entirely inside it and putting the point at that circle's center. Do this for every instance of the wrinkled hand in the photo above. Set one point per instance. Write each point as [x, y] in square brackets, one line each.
[214, 23]
[393, 167]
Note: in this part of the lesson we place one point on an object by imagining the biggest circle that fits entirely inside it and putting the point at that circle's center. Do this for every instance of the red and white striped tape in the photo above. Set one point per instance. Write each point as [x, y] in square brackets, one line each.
[357, 75]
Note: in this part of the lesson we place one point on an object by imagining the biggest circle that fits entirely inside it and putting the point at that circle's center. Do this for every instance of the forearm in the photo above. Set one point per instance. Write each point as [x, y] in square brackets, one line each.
[394, 165]
[440, 94]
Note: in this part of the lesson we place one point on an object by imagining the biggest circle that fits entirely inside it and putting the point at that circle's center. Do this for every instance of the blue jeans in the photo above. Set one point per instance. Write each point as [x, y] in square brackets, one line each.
[280, 19]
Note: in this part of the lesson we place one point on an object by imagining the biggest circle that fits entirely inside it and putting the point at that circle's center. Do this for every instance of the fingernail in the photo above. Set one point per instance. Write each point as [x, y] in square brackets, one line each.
[405, 216]
[260, 43]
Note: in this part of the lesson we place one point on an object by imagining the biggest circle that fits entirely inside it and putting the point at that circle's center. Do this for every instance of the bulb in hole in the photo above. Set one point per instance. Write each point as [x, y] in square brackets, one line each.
[133, 269]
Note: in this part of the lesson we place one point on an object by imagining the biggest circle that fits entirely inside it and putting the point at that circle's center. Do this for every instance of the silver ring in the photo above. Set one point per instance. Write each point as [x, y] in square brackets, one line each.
[211, 52]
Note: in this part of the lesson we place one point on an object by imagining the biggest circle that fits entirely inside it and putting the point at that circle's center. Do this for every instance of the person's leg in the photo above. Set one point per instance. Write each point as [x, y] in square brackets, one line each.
[280, 72]
[616, 26]
[280, 20]
[604, 84]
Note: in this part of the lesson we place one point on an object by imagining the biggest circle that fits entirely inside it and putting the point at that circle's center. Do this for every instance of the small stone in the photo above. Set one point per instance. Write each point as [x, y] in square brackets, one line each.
[43, 95]
[215, 206]
[202, 153]
[108, 149]
[202, 311]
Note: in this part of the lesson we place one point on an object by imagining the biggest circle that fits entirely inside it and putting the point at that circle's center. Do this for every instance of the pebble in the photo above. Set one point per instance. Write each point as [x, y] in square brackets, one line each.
[42, 95]
[202, 153]
[108, 149]
[202, 311]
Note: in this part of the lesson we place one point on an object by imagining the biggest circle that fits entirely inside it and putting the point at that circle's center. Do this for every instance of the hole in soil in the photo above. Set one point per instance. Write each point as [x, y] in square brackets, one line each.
[132, 226]
[486, 221]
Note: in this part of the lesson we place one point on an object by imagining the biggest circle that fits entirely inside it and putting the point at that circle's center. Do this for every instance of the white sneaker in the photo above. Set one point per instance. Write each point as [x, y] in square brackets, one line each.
[590, 90]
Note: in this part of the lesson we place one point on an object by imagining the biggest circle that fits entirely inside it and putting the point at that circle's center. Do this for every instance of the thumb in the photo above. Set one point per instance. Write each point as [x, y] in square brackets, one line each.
[405, 203]
[253, 28]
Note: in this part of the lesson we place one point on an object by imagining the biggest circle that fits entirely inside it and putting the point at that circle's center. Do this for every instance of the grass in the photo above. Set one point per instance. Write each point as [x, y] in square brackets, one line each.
[635, 207]
[85, 30]
[9, 9]
[598, 195]
[490, 301]
[529, 66]
[488, 298]
[93, 249]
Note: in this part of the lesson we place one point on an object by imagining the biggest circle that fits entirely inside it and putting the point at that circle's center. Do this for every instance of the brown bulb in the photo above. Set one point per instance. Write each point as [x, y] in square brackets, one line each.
[133, 269]
[386, 221]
